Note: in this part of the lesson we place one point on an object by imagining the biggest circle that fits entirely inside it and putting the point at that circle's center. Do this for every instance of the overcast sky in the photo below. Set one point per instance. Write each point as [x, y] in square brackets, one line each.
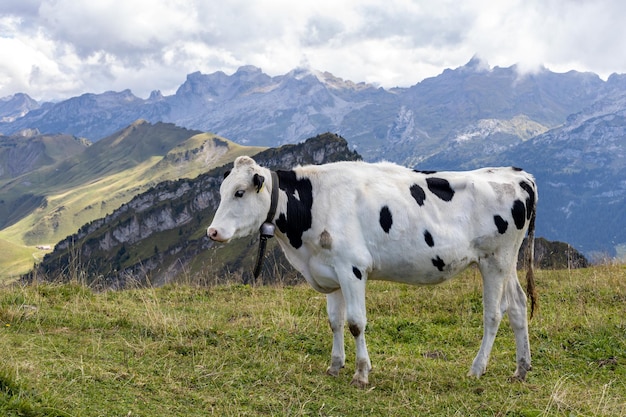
[53, 49]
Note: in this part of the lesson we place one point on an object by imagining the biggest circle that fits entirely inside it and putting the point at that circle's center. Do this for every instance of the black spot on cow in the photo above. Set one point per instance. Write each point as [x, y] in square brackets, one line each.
[501, 224]
[356, 272]
[354, 329]
[519, 214]
[429, 238]
[385, 219]
[438, 263]
[440, 187]
[530, 201]
[298, 218]
[418, 194]
[424, 172]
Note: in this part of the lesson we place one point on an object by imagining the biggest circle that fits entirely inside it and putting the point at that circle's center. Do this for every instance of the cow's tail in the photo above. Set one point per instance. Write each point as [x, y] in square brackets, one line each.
[530, 274]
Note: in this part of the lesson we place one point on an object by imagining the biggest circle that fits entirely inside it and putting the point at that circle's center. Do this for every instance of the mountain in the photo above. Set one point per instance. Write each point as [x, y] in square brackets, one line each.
[582, 168]
[405, 125]
[475, 100]
[161, 234]
[552, 124]
[92, 116]
[253, 108]
[16, 106]
[553, 255]
[29, 151]
[44, 205]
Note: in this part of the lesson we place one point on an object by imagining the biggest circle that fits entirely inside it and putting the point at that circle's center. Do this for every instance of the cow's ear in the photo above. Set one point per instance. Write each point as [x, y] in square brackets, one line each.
[258, 181]
[226, 174]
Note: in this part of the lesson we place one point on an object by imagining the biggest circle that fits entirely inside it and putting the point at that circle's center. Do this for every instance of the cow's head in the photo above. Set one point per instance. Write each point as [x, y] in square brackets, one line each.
[244, 201]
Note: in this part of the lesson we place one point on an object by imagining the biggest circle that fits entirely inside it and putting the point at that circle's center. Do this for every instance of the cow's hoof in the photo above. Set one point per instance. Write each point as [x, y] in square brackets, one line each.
[360, 381]
[520, 374]
[363, 368]
[332, 371]
[336, 364]
[478, 368]
[475, 373]
[523, 366]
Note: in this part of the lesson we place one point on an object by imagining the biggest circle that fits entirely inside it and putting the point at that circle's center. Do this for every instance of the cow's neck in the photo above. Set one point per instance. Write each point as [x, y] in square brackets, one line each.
[268, 227]
[271, 215]
[293, 215]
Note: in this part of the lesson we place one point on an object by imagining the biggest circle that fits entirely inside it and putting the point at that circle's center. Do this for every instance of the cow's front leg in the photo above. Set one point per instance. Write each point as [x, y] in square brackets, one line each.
[336, 309]
[363, 364]
[354, 298]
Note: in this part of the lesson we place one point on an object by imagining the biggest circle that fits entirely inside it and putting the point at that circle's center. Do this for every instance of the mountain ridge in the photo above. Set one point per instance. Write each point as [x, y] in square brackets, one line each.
[563, 126]
[29, 150]
[321, 100]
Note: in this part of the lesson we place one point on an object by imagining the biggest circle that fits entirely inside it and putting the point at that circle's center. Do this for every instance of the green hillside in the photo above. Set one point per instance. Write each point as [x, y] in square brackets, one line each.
[23, 154]
[239, 350]
[48, 204]
[17, 259]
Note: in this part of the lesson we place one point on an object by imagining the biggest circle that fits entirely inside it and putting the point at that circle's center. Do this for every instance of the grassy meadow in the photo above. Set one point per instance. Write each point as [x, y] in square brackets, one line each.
[16, 259]
[183, 350]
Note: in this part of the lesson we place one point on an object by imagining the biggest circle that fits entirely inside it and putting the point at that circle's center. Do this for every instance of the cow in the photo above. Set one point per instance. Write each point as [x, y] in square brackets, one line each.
[342, 223]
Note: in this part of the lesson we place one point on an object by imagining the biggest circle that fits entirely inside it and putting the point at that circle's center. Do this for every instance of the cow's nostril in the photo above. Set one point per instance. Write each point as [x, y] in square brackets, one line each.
[212, 232]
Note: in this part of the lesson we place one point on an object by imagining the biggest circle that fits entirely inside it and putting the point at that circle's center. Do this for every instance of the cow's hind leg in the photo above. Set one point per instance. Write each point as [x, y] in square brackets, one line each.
[516, 307]
[336, 308]
[493, 288]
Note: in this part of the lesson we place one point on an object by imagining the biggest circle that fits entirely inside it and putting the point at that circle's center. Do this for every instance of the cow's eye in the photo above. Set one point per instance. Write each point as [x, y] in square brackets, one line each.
[239, 193]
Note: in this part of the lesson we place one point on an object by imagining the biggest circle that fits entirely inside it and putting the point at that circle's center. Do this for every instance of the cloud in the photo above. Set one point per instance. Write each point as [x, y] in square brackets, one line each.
[319, 31]
[53, 49]
[560, 34]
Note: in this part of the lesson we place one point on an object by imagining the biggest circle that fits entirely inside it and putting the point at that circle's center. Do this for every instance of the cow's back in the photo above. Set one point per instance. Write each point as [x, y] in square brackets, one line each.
[412, 226]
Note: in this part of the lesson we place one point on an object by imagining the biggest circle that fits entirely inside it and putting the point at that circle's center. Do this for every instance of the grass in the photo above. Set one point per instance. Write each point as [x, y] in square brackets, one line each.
[183, 350]
[16, 259]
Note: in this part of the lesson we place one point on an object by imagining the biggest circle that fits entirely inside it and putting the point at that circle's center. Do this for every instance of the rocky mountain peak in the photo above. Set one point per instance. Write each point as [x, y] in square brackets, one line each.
[219, 86]
[156, 95]
[248, 70]
[476, 63]
[16, 106]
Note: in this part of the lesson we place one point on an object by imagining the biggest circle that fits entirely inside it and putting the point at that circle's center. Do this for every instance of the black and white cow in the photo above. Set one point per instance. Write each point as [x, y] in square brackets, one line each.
[343, 223]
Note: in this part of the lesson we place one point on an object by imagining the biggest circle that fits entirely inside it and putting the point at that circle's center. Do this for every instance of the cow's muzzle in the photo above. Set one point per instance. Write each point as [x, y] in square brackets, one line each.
[215, 235]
